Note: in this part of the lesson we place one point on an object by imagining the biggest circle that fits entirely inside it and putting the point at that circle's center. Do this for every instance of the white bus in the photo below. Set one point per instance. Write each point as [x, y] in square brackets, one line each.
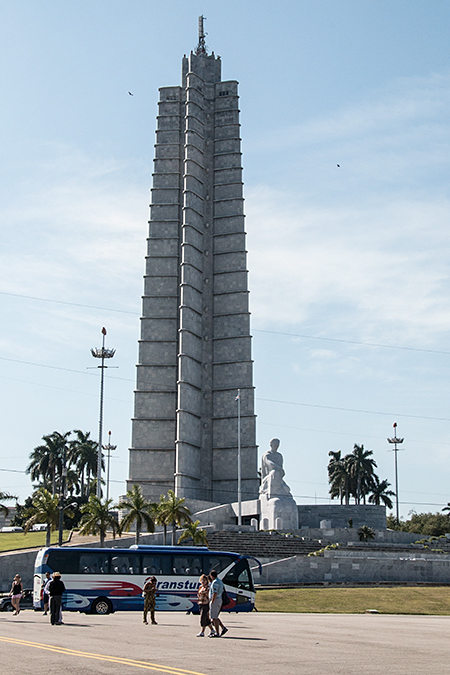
[104, 580]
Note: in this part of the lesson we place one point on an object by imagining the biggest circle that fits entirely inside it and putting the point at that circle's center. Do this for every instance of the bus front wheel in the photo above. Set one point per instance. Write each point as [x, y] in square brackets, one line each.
[101, 606]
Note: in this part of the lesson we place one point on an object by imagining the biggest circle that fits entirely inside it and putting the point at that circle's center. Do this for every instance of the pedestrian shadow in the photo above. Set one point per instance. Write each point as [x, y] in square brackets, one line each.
[231, 637]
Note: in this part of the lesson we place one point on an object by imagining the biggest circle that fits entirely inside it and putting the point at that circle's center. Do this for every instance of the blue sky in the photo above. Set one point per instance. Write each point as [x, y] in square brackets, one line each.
[349, 266]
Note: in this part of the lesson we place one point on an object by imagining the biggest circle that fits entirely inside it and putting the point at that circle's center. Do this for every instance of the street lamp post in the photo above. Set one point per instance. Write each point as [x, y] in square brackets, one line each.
[101, 354]
[109, 448]
[239, 490]
[396, 441]
[62, 490]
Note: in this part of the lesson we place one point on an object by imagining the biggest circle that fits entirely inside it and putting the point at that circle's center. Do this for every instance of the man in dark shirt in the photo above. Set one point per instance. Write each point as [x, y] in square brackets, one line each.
[56, 589]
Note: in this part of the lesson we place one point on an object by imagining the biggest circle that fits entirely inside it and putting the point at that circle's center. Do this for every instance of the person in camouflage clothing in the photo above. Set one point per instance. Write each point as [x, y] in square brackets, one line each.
[149, 593]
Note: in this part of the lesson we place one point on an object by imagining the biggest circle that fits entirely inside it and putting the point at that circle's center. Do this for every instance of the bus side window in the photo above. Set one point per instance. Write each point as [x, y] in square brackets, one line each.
[93, 563]
[187, 565]
[216, 562]
[156, 564]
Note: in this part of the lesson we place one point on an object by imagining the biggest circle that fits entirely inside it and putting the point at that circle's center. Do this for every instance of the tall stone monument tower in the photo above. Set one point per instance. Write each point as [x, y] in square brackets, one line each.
[195, 346]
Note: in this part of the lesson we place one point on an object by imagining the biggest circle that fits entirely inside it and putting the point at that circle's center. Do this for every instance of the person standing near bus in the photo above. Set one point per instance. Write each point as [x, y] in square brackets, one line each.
[45, 592]
[16, 593]
[149, 593]
[215, 604]
[203, 605]
[56, 588]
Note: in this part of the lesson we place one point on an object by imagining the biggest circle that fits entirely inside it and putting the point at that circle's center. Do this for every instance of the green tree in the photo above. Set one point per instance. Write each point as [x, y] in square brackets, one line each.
[45, 509]
[362, 470]
[430, 524]
[192, 531]
[97, 518]
[340, 477]
[171, 510]
[5, 497]
[83, 454]
[365, 533]
[380, 493]
[139, 511]
[47, 460]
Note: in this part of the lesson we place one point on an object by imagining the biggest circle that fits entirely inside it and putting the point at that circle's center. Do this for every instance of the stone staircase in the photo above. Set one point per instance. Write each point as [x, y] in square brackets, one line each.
[262, 544]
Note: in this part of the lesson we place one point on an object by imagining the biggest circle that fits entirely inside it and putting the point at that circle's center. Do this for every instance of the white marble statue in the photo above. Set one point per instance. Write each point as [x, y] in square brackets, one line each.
[278, 508]
[272, 473]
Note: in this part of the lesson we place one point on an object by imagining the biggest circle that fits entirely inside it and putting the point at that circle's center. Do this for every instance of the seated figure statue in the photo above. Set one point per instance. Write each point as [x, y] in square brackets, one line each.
[272, 472]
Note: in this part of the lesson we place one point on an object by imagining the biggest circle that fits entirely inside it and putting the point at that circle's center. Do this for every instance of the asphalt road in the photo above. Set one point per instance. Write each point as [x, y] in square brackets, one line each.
[306, 644]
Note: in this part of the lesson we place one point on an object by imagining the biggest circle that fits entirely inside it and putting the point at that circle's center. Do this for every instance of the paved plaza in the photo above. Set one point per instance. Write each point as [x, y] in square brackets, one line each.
[259, 643]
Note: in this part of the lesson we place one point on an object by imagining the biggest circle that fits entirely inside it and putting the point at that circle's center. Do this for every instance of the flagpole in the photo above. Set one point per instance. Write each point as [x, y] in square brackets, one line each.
[238, 398]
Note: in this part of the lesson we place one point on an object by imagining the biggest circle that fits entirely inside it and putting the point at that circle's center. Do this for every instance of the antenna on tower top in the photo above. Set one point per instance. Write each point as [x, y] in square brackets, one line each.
[201, 47]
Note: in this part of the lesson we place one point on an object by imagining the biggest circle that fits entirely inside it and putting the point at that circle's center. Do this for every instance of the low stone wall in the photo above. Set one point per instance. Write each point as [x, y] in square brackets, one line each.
[369, 567]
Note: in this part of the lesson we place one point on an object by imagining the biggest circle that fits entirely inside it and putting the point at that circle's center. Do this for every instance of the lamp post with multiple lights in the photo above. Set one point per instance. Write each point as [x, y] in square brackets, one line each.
[109, 448]
[102, 354]
[396, 441]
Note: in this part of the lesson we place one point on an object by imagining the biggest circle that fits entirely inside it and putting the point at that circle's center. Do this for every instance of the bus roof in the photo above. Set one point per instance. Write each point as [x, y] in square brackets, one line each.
[143, 548]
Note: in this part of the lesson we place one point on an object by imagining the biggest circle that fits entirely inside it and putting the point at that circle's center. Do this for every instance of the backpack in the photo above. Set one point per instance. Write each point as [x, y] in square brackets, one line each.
[225, 599]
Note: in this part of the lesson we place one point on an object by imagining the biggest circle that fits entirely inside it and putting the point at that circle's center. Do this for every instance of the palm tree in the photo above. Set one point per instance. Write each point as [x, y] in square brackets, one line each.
[380, 492]
[5, 497]
[161, 516]
[139, 510]
[362, 470]
[171, 509]
[47, 460]
[45, 509]
[192, 531]
[365, 533]
[96, 518]
[339, 476]
[84, 455]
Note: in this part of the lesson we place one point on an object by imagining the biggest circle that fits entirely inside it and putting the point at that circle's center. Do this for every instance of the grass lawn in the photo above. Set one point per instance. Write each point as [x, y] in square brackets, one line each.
[10, 541]
[396, 600]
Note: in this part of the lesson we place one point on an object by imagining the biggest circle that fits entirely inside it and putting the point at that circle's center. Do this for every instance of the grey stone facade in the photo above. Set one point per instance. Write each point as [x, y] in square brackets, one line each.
[338, 515]
[195, 345]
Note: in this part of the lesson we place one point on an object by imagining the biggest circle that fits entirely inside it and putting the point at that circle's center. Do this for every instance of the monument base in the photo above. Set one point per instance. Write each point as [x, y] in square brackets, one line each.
[278, 513]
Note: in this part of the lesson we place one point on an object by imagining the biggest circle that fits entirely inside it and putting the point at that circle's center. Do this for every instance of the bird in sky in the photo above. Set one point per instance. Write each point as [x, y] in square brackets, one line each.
[338, 165]
[130, 93]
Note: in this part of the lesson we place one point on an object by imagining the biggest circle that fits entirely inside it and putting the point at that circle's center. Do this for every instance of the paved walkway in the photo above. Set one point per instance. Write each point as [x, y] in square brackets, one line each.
[257, 643]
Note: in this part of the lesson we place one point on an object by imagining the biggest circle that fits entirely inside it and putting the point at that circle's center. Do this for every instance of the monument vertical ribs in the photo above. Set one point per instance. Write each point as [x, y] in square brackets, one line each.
[195, 347]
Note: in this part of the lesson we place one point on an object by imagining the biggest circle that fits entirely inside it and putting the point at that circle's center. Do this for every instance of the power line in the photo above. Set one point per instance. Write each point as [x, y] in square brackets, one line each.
[351, 342]
[355, 410]
[255, 330]
[65, 302]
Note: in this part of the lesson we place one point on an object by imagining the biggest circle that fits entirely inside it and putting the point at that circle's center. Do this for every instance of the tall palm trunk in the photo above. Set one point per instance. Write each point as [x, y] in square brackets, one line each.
[47, 536]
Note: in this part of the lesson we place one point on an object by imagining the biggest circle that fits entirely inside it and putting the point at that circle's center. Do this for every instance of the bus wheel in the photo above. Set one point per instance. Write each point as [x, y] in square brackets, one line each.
[101, 606]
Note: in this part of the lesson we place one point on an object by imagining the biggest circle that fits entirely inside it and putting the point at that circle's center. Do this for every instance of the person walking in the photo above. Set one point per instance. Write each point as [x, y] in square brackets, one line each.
[45, 593]
[16, 593]
[149, 593]
[203, 605]
[215, 604]
[56, 588]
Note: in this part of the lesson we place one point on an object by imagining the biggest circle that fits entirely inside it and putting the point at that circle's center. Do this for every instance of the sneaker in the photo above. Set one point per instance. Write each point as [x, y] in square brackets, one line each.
[224, 630]
[213, 635]
[45, 613]
[201, 635]
[154, 623]
[146, 622]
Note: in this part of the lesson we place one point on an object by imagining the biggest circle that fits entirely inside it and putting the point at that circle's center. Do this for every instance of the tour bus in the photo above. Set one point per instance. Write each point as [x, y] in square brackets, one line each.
[104, 580]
